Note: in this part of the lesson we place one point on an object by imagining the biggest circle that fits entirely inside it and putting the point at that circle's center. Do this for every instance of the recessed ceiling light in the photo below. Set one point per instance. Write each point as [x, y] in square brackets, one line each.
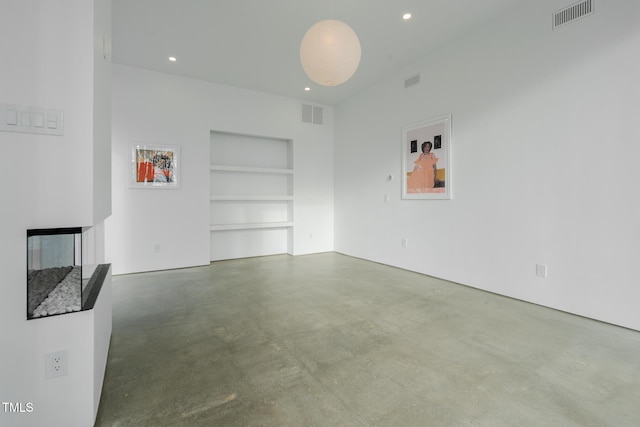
[173, 59]
[406, 16]
[307, 88]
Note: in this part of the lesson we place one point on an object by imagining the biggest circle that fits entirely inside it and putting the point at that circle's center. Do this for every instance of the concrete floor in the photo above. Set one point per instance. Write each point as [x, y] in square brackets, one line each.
[329, 340]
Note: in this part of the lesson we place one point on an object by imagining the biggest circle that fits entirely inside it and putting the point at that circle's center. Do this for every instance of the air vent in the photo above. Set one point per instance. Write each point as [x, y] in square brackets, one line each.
[413, 80]
[307, 113]
[311, 114]
[573, 12]
[317, 115]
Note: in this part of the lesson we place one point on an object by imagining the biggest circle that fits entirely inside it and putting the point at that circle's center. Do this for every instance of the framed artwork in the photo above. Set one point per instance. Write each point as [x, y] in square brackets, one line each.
[414, 146]
[437, 142]
[154, 166]
[426, 173]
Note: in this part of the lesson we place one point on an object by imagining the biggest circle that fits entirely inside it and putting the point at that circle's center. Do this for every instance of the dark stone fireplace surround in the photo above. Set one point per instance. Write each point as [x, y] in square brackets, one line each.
[94, 286]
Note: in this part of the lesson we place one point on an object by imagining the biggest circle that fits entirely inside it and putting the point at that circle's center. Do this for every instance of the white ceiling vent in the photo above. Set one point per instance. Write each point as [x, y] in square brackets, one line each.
[573, 12]
[311, 114]
[413, 80]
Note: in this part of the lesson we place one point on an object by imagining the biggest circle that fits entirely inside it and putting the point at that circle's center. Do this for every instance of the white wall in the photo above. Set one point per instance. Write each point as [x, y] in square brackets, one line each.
[101, 120]
[156, 108]
[545, 162]
[49, 61]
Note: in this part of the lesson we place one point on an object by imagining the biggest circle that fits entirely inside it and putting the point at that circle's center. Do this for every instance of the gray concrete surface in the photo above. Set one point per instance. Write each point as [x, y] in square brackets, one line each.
[330, 340]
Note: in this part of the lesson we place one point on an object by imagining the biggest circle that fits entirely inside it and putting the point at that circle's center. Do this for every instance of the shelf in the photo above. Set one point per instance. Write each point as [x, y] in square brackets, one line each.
[251, 198]
[246, 169]
[262, 225]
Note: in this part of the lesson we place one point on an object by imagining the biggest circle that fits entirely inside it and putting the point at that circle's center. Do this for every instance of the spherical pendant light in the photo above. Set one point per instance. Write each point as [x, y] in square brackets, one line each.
[330, 52]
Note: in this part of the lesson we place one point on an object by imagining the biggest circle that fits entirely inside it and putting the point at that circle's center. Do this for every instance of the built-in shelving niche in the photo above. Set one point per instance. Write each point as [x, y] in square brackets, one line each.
[251, 196]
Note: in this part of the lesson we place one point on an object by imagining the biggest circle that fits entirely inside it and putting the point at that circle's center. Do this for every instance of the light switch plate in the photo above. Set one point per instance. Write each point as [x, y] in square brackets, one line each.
[12, 117]
[17, 118]
[25, 118]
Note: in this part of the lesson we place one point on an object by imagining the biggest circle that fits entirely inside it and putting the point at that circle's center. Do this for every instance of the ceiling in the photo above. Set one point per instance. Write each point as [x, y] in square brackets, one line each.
[254, 44]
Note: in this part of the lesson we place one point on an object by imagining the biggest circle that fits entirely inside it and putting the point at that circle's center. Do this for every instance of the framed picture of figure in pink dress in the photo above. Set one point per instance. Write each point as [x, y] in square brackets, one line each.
[426, 159]
[154, 166]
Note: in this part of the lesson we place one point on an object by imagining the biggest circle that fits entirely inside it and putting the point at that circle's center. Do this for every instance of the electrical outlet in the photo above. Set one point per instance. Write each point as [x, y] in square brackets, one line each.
[156, 247]
[56, 364]
[405, 242]
[541, 270]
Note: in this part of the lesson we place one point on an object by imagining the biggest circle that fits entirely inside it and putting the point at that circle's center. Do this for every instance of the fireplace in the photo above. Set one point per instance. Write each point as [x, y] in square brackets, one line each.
[62, 275]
